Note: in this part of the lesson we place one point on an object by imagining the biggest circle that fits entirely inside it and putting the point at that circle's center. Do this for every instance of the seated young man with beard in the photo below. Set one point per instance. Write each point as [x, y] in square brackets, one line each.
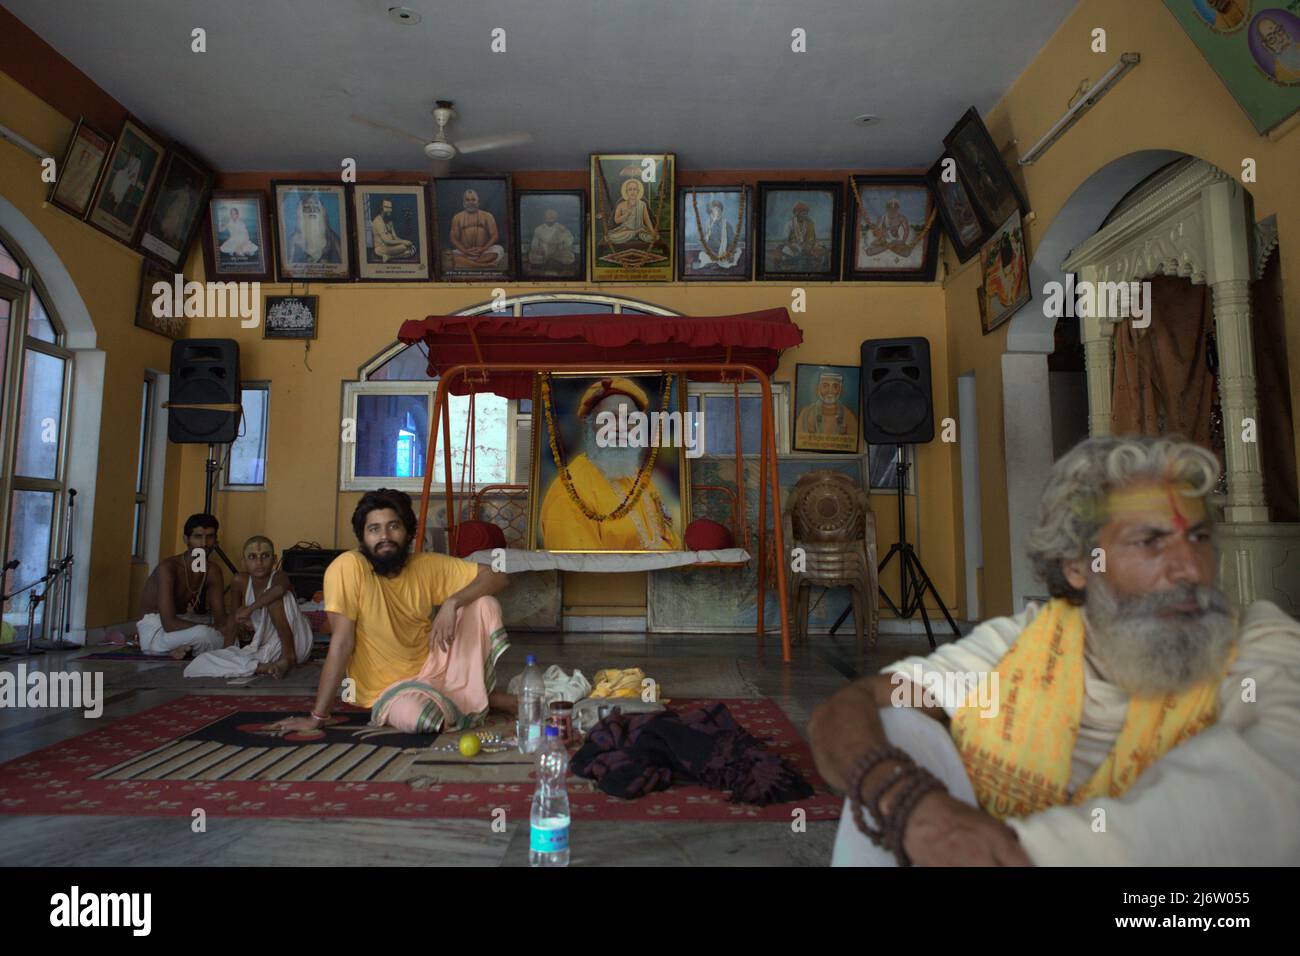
[1136, 719]
[418, 671]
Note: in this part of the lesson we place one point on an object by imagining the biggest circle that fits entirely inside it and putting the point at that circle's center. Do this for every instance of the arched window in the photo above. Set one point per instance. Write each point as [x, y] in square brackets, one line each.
[35, 372]
[389, 408]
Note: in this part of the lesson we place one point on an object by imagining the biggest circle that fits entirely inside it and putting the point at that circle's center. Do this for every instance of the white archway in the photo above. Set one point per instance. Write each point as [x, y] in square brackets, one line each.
[87, 393]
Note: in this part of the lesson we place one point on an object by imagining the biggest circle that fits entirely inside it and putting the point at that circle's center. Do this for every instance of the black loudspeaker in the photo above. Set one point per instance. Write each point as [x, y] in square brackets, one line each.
[897, 408]
[204, 372]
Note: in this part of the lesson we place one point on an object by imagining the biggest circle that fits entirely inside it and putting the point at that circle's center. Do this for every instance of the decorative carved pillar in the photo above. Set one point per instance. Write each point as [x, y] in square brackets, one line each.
[1229, 276]
[1097, 335]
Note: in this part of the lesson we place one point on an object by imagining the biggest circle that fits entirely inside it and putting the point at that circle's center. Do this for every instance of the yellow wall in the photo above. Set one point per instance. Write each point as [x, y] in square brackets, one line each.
[107, 276]
[1172, 100]
[302, 501]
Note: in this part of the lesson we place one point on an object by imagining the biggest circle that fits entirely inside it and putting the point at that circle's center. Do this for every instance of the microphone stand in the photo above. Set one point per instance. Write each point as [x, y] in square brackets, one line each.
[54, 571]
[63, 607]
[4, 573]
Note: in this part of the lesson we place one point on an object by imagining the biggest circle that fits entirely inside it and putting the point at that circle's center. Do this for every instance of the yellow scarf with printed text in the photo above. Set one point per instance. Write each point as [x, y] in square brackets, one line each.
[1018, 760]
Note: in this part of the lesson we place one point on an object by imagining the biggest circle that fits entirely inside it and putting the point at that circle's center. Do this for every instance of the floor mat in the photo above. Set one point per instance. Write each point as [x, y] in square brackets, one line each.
[215, 753]
[131, 654]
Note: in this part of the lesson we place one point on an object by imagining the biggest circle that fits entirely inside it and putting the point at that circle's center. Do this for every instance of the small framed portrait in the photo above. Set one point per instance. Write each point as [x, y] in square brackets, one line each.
[174, 212]
[472, 228]
[799, 229]
[156, 310]
[1004, 285]
[83, 161]
[827, 408]
[965, 229]
[552, 240]
[392, 232]
[715, 224]
[607, 477]
[986, 177]
[290, 316]
[132, 170]
[313, 229]
[632, 210]
[237, 236]
[892, 234]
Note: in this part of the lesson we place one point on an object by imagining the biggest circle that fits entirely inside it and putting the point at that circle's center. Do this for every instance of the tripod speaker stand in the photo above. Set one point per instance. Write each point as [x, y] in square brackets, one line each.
[913, 580]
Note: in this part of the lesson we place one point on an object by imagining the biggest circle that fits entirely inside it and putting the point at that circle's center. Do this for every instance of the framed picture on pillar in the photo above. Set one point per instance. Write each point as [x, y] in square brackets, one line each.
[1004, 269]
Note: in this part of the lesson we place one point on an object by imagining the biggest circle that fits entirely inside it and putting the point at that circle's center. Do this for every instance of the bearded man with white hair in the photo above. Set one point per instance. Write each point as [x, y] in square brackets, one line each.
[1135, 719]
[315, 239]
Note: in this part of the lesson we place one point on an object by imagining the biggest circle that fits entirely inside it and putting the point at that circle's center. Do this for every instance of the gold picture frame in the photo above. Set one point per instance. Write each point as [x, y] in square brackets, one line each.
[563, 406]
[633, 217]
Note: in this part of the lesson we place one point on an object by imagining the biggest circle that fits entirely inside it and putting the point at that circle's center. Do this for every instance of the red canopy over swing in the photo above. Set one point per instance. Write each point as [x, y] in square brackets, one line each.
[501, 354]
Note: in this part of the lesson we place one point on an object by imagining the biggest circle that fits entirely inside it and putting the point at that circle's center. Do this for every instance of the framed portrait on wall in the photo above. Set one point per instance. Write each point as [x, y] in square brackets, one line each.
[798, 231]
[290, 316]
[599, 482]
[714, 228]
[237, 236]
[1004, 268]
[79, 172]
[392, 232]
[552, 241]
[892, 234]
[172, 325]
[313, 231]
[132, 170]
[176, 208]
[966, 230]
[473, 236]
[827, 410]
[632, 217]
[986, 177]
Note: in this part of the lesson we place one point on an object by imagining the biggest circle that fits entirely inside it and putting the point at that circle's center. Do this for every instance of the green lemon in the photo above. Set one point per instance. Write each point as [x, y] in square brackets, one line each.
[470, 745]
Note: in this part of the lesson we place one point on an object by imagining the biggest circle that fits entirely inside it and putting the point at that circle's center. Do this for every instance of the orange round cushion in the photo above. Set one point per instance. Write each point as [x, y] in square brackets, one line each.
[704, 534]
[474, 536]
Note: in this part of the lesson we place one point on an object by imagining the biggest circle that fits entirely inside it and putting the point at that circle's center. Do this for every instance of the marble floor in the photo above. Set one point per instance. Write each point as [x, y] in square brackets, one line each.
[685, 666]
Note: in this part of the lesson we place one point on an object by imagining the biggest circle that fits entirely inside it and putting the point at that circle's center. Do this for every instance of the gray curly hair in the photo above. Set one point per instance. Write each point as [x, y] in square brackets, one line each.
[1072, 512]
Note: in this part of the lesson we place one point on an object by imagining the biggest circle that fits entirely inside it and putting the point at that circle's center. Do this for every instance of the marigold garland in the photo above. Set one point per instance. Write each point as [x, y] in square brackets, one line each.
[735, 236]
[643, 474]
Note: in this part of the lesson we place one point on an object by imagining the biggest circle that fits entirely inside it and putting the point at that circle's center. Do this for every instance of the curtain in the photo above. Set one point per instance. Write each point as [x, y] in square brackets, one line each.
[1273, 388]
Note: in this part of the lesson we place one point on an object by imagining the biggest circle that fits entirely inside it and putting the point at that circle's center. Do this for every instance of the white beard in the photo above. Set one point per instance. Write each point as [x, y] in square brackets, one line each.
[613, 462]
[315, 234]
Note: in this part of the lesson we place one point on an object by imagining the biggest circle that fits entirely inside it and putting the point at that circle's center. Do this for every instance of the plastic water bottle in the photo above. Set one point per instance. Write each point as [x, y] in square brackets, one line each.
[532, 708]
[548, 837]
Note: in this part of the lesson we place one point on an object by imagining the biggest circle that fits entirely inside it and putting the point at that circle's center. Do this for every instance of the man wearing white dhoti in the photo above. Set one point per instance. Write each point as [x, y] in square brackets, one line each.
[123, 179]
[181, 592]
[238, 242]
[281, 634]
[1135, 719]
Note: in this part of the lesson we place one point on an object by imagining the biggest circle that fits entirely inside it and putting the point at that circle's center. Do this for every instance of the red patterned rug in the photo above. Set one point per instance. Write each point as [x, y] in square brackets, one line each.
[214, 752]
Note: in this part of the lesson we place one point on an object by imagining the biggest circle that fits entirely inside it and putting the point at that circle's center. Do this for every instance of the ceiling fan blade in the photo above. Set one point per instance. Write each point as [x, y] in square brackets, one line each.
[439, 168]
[366, 121]
[482, 143]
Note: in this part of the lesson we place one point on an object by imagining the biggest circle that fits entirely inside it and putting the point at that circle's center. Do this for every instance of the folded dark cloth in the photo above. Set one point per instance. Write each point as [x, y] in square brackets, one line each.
[631, 755]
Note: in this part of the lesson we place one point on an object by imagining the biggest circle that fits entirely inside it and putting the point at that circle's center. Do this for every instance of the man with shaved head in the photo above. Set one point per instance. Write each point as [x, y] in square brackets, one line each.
[1136, 719]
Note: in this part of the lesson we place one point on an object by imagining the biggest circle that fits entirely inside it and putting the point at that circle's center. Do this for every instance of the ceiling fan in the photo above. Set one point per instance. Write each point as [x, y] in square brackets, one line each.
[439, 150]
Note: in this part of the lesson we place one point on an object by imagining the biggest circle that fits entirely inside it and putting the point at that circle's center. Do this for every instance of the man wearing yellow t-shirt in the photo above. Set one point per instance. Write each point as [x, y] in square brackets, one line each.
[417, 671]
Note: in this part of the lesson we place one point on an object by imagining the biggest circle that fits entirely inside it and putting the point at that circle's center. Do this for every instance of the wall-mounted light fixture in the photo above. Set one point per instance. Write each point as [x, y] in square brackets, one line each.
[1099, 89]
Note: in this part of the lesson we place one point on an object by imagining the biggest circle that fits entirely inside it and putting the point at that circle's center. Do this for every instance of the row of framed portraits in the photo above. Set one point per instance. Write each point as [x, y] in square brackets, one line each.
[143, 191]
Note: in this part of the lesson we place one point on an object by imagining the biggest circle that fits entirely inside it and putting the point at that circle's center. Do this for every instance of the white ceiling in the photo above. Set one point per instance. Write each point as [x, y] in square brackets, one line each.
[714, 81]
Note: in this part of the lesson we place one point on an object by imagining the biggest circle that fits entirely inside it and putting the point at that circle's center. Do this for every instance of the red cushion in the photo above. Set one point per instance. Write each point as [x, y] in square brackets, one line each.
[474, 536]
[702, 534]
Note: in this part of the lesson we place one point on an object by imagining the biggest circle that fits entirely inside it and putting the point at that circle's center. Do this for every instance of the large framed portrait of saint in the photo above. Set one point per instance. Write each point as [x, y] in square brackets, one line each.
[892, 234]
[714, 228]
[392, 232]
[1004, 268]
[176, 209]
[313, 231]
[827, 408]
[966, 231]
[132, 171]
[609, 469]
[473, 235]
[237, 236]
[78, 174]
[799, 231]
[552, 239]
[1255, 50]
[170, 324]
[980, 166]
[632, 209]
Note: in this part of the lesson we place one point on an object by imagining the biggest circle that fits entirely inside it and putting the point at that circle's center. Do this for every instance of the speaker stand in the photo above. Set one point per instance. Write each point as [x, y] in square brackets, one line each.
[211, 467]
[912, 577]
